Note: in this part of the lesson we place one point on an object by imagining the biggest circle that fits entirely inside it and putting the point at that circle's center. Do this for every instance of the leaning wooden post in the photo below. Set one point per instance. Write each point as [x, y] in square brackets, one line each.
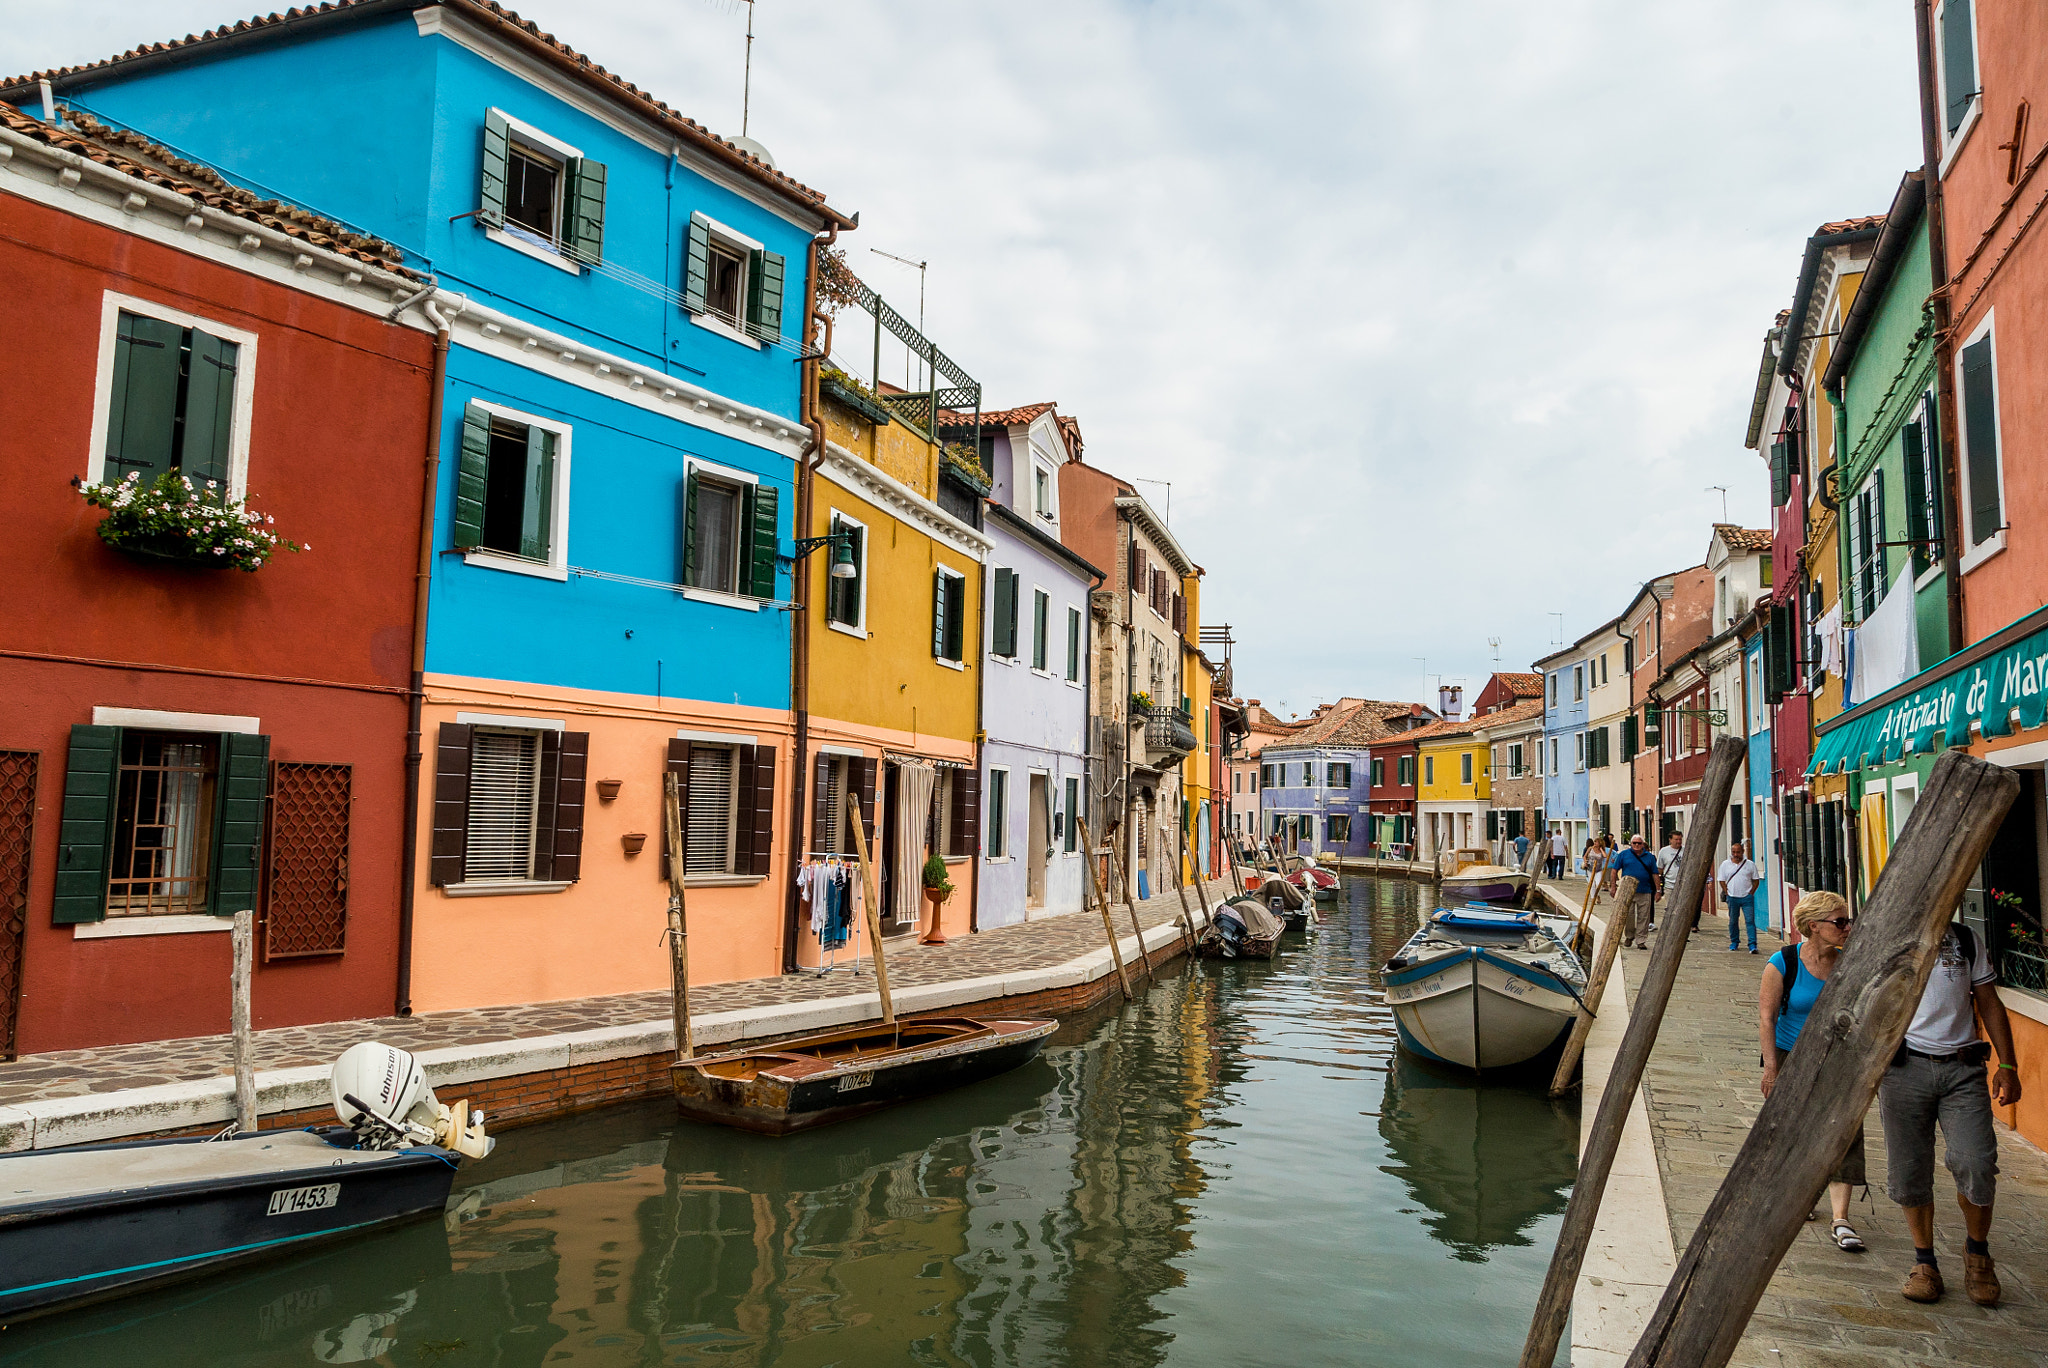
[873, 884]
[1131, 901]
[1827, 1084]
[1555, 1303]
[1187, 918]
[1529, 862]
[1589, 1002]
[1102, 905]
[678, 920]
[243, 943]
[1202, 901]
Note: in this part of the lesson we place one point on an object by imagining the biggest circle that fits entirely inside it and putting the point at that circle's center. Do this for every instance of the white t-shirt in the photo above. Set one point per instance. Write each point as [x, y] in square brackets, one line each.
[1945, 1021]
[1558, 846]
[1740, 878]
[1666, 858]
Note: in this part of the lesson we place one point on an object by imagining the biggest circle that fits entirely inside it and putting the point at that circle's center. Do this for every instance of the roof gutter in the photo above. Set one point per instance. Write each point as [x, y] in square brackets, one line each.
[1893, 241]
[1802, 297]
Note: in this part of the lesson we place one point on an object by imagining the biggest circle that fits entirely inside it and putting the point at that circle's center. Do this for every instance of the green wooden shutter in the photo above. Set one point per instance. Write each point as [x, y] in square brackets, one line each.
[690, 525]
[1958, 61]
[1980, 437]
[238, 824]
[956, 621]
[1781, 474]
[1073, 644]
[1040, 608]
[696, 267]
[536, 520]
[209, 409]
[1005, 642]
[764, 295]
[1917, 530]
[497, 168]
[142, 417]
[939, 614]
[92, 773]
[1628, 737]
[586, 210]
[767, 532]
[472, 473]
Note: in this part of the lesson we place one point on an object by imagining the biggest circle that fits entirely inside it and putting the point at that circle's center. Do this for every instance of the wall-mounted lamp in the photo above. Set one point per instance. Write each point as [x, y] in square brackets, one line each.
[843, 567]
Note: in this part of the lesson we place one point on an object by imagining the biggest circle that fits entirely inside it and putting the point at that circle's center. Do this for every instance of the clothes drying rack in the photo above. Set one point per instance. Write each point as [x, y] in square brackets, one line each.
[831, 964]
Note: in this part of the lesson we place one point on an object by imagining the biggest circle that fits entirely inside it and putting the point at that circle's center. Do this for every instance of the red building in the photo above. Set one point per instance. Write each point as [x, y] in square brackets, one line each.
[184, 739]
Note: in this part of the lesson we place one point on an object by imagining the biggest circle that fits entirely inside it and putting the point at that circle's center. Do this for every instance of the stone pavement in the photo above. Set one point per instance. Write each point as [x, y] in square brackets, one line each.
[1042, 943]
[1825, 1308]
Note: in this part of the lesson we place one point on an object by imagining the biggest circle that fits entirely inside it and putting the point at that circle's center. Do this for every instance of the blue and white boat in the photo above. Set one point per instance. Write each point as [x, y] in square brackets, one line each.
[1485, 987]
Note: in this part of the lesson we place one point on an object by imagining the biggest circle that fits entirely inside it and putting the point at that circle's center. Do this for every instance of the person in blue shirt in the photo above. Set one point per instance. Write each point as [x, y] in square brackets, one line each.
[1637, 863]
[1521, 850]
[1782, 1005]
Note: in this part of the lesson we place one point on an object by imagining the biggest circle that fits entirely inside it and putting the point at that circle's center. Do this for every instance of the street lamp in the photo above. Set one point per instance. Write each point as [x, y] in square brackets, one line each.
[843, 567]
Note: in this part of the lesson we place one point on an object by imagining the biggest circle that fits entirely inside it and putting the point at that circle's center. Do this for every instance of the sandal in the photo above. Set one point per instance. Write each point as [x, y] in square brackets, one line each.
[1846, 1238]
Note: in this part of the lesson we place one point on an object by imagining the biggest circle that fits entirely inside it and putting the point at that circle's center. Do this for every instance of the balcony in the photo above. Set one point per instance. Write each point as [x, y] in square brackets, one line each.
[1169, 736]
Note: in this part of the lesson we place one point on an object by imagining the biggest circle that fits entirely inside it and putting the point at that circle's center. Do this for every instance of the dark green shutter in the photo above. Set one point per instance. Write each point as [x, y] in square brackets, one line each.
[1781, 474]
[142, 416]
[92, 773]
[238, 828]
[586, 213]
[1005, 643]
[209, 409]
[1628, 737]
[761, 565]
[696, 267]
[1917, 530]
[1780, 677]
[1980, 437]
[536, 515]
[1041, 606]
[1958, 61]
[939, 614]
[497, 168]
[764, 295]
[956, 620]
[471, 474]
[690, 526]
[1073, 645]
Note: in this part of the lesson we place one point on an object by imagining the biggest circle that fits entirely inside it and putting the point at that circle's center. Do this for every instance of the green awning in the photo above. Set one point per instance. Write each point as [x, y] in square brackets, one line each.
[1999, 684]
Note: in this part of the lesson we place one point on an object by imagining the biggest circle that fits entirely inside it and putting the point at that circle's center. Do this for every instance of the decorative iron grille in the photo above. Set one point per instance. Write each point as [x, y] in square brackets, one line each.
[17, 840]
[308, 903]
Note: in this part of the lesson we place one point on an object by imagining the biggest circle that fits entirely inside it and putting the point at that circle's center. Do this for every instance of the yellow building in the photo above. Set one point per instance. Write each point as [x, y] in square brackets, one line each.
[1201, 783]
[1454, 785]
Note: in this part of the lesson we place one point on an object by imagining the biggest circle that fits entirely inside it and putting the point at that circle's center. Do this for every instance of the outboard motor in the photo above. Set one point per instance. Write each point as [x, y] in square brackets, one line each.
[1229, 929]
[381, 1094]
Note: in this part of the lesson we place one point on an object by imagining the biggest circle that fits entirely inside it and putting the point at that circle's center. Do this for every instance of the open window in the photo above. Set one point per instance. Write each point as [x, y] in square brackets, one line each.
[174, 397]
[846, 599]
[511, 490]
[949, 615]
[539, 195]
[730, 532]
[731, 283]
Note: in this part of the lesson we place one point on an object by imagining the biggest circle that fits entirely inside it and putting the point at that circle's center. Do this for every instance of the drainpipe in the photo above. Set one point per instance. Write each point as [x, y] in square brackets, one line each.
[980, 727]
[1944, 341]
[416, 692]
[800, 617]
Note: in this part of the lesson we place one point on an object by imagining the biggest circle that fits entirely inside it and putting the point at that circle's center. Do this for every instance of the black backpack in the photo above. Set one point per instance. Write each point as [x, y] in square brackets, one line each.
[1966, 942]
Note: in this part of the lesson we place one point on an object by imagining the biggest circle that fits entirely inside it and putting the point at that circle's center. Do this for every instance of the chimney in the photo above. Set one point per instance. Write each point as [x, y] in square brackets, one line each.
[1450, 701]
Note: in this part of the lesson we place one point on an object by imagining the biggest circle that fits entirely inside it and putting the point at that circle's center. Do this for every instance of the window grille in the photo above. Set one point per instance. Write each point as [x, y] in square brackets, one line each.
[17, 837]
[307, 912]
[504, 794]
[163, 824]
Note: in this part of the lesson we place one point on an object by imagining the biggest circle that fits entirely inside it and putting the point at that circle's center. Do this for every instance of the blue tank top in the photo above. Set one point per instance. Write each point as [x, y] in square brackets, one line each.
[1805, 992]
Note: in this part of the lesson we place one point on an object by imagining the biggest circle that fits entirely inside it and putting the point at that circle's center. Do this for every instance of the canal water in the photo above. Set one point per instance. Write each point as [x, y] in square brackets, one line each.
[1239, 1168]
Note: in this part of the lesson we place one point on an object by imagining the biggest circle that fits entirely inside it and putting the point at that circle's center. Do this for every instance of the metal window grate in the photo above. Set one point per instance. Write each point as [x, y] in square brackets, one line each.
[504, 794]
[307, 910]
[709, 840]
[163, 824]
[17, 840]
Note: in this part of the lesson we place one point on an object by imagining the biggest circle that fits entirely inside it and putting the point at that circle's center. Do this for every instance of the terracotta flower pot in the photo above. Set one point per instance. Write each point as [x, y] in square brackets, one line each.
[633, 841]
[608, 789]
[937, 897]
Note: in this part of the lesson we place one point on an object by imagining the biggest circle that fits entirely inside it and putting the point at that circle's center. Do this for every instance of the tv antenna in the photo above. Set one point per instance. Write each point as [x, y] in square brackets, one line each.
[1495, 643]
[1558, 640]
[1710, 489]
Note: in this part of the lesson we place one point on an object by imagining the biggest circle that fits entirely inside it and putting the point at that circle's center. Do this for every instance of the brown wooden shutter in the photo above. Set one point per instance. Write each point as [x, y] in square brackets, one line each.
[762, 802]
[821, 813]
[678, 765]
[306, 907]
[451, 804]
[966, 815]
[569, 786]
[868, 772]
[1180, 614]
[546, 786]
[1136, 566]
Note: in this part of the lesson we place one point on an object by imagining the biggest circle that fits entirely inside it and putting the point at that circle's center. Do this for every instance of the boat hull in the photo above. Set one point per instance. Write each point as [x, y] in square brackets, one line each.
[773, 1103]
[1492, 888]
[88, 1246]
[1251, 947]
[1478, 1010]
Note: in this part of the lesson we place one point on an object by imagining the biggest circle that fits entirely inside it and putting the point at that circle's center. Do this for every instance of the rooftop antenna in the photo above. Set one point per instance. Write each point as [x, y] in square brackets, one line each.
[1710, 488]
[906, 261]
[747, 81]
[1495, 643]
[1558, 640]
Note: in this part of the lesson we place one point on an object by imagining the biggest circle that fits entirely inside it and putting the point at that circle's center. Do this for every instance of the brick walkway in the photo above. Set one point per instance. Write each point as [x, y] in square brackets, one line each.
[1825, 1308]
[1010, 949]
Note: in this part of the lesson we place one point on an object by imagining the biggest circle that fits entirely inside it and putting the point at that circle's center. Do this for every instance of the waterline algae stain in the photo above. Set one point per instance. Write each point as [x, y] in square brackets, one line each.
[1238, 1167]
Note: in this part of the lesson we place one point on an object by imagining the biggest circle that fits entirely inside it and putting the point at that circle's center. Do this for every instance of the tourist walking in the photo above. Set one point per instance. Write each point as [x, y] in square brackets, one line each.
[1667, 870]
[1594, 857]
[1937, 1078]
[1737, 880]
[1792, 981]
[1638, 918]
[1521, 850]
[1560, 851]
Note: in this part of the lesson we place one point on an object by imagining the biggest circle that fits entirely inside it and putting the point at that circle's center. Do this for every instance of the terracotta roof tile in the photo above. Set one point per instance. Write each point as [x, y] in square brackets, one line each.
[134, 155]
[949, 418]
[1520, 684]
[493, 16]
[1358, 725]
[1851, 225]
[1525, 710]
[1744, 538]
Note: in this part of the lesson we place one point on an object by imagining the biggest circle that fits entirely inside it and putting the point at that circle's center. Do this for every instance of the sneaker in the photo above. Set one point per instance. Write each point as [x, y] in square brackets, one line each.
[1980, 1279]
[1733, 949]
[1923, 1284]
[1752, 949]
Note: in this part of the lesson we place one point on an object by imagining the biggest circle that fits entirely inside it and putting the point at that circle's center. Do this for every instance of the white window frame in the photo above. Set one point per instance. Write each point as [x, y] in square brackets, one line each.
[1552, 677]
[520, 238]
[1974, 556]
[1040, 466]
[1071, 793]
[728, 875]
[947, 572]
[1042, 671]
[557, 564]
[1895, 817]
[112, 306]
[996, 834]
[1578, 683]
[859, 631]
[1553, 756]
[1578, 752]
[1465, 769]
[1952, 143]
[1078, 647]
[732, 237]
[1429, 770]
[742, 537]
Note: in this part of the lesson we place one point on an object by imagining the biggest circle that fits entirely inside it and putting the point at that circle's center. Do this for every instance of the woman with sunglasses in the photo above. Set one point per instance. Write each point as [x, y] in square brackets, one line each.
[1792, 981]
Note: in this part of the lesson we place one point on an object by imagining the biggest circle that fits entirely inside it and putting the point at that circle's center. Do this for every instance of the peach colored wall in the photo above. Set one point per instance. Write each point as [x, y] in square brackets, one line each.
[604, 933]
[2030, 1116]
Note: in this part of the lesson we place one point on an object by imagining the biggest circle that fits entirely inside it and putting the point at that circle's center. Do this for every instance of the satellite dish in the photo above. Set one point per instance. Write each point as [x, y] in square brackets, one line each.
[754, 149]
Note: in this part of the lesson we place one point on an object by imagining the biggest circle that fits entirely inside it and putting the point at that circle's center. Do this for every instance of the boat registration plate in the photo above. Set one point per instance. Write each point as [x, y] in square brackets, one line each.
[289, 1201]
[851, 1082]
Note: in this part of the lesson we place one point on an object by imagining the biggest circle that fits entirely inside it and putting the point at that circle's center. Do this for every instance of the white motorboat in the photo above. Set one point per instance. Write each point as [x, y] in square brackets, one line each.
[1485, 987]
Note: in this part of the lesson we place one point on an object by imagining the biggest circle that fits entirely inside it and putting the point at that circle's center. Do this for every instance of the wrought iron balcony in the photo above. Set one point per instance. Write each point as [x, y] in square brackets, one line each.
[1169, 736]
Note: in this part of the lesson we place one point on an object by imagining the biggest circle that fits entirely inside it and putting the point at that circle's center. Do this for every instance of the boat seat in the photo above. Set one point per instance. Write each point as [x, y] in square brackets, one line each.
[36, 1177]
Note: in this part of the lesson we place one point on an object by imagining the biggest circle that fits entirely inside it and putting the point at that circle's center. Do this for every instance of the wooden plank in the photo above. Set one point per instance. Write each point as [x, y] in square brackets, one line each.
[678, 919]
[1123, 878]
[243, 944]
[1102, 905]
[1554, 1305]
[871, 881]
[1827, 1083]
[1596, 985]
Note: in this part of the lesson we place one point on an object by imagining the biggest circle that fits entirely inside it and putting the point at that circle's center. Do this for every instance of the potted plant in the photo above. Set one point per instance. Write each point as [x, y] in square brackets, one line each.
[937, 890]
[176, 519]
[1141, 705]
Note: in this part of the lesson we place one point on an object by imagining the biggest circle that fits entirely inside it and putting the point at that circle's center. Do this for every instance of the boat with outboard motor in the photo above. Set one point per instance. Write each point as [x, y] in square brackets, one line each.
[1485, 987]
[88, 1222]
[1242, 928]
[1484, 883]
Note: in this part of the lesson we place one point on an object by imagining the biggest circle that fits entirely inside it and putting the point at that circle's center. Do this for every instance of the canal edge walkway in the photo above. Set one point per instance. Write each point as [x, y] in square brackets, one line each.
[528, 1064]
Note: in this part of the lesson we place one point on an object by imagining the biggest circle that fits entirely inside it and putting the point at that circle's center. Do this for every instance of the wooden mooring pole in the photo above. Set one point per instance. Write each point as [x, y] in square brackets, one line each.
[1123, 877]
[242, 941]
[871, 881]
[1546, 1327]
[1123, 978]
[1589, 1002]
[678, 920]
[1826, 1085]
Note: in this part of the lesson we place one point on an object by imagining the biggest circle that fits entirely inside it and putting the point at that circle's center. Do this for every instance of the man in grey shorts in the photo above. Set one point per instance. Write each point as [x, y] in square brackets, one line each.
[1938, 1077]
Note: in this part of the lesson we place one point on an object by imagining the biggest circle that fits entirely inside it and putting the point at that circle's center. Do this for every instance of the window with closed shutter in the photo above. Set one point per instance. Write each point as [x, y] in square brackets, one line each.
[1041, 611]
[998, 827]
[1983, 500]
[1073, 645]
[709, 839]
[171, 406]
[504, 805]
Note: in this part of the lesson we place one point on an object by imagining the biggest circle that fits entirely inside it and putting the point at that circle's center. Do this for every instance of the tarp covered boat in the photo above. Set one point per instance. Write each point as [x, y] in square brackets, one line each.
[1485, 987]
[1242, 929]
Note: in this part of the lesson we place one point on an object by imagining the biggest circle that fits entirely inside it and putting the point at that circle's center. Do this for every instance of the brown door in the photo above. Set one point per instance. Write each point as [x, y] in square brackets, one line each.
[17, 832]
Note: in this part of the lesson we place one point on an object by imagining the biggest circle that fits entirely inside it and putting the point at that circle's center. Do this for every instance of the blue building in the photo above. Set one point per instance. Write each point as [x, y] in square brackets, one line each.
[1762, 825]
[621, 295]
[1567, 688]
[1315, 787]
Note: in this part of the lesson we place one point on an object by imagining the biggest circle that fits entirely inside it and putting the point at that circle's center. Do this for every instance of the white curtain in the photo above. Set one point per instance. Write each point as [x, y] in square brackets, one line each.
[915, 780]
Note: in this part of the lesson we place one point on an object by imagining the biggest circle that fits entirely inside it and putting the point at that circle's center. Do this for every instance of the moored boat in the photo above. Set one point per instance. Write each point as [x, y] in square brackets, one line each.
[1242, 929]
[1485, 883]
[818, 1079]
[1484, 987]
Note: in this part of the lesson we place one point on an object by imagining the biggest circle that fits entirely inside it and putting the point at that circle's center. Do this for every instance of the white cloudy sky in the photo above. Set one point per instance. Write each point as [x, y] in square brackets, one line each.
[1439, 318]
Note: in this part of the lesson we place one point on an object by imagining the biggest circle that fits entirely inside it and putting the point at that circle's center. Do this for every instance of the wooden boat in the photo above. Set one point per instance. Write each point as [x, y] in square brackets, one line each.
[1484, 987]
[1283, 898]
[829, 1077]
[1484, 883]
[1243, 929]
[1316, 881]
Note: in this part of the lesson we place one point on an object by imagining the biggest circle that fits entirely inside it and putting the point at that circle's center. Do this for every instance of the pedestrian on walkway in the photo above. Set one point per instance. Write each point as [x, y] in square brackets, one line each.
[1594, 857]
[1667, 870]
[1737, 880]
[1637, 919]
[1521, 850]
[1937, 1077]
[1792, 981]
[1560, 851]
